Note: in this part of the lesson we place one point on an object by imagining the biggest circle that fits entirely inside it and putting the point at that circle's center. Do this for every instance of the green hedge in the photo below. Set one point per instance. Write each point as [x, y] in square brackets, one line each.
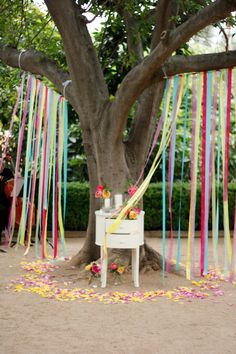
[78, 206]
[153, 207]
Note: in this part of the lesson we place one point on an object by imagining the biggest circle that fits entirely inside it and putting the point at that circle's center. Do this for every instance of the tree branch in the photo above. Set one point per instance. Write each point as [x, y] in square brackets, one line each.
[134, 42]
[165, 9]
[84, 67]
[180, 64]
[140, 77]
[143, 126]
[226, 37]
[37, 63]
[148, 103]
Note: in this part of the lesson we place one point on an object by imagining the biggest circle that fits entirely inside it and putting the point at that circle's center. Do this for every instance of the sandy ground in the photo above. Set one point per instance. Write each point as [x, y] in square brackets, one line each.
[31, 324]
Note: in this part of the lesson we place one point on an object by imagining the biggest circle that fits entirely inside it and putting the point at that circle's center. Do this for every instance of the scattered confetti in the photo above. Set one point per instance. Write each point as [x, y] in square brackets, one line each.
[39, 279]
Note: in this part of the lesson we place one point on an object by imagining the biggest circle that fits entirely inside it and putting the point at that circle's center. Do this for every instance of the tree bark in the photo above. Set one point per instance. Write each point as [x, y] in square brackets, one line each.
[85, 69]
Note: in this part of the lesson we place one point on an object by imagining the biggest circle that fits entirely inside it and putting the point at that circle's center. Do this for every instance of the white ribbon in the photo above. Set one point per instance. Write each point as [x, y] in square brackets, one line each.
[19, 57]
[65, 84]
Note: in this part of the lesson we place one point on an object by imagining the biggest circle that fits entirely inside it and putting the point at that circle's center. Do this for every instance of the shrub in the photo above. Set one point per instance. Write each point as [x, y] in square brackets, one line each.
[78, 206]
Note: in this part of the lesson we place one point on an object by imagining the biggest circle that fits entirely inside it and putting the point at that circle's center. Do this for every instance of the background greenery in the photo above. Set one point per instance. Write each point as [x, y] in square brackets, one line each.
[78, 206]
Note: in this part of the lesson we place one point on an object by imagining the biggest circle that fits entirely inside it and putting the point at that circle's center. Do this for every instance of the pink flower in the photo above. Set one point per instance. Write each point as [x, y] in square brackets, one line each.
[100, 187]
[132, 190]
[96, 268]
[113, 266]
[137, 210]
[98, 194]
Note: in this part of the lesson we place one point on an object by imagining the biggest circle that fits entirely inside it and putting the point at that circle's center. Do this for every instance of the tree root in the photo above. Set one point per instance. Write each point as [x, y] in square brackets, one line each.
[81, 259]
[150, 260]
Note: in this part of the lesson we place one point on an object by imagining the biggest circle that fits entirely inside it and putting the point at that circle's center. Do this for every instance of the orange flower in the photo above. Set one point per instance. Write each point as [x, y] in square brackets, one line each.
[121, 270]
[106, 194]
[132, 215]
[88, 267]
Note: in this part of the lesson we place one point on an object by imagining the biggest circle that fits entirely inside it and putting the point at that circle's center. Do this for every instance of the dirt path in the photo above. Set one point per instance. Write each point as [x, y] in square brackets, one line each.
[31, 324]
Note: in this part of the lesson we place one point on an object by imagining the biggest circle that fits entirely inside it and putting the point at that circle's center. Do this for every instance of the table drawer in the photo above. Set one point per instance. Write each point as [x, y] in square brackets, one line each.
[125, 227]
[122, 241]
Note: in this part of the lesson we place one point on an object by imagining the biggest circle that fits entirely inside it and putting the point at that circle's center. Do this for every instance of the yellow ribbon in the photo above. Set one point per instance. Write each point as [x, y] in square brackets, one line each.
[41, 111]
[165, 139]
[193, 200]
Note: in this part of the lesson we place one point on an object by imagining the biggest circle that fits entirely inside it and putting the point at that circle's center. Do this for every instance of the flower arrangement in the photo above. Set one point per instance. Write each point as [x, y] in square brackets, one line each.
[116, 270]
[95, 271]
[133, 213]
[102, 191]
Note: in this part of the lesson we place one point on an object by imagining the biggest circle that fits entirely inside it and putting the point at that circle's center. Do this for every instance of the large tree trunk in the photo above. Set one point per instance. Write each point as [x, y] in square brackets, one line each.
[107, 164]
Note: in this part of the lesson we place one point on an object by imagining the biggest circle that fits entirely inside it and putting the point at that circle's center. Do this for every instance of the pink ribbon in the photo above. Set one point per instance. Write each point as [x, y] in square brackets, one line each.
[227, 134]
[20, 144]
[234, 244]
[32, 196]
[20, 93]
[202, 253]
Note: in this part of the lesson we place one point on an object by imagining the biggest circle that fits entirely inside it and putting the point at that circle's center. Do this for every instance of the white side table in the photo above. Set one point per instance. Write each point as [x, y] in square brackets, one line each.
[129, 234]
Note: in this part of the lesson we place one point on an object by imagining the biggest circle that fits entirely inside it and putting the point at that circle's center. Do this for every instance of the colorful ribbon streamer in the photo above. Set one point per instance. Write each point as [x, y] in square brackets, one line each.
[44, 111]
[45, 114]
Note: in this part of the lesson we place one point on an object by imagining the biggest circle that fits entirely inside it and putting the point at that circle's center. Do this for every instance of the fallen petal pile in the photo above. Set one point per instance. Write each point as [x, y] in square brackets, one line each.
[40, 280]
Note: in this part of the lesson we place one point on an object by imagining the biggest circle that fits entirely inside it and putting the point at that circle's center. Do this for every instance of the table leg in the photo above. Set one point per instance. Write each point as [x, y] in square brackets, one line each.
[133, 264]
[135, 269]
[103, 268]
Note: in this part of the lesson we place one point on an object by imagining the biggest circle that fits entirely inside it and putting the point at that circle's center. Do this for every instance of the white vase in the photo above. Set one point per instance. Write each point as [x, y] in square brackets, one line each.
[118, 200]
[107, 203]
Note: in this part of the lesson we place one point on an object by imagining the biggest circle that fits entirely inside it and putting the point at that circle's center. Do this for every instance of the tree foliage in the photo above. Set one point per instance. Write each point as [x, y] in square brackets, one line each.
[24, 26]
